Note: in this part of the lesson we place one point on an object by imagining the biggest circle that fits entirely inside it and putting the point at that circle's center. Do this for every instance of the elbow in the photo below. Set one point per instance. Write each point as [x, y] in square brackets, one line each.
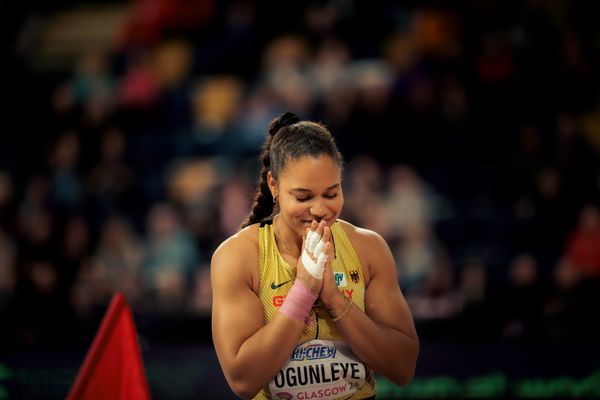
[244, 382]
[244, 389]
[403, 377]
[404, 373]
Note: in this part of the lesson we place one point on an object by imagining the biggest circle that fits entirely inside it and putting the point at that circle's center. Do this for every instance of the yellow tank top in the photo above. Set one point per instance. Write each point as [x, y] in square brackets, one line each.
[322, 366]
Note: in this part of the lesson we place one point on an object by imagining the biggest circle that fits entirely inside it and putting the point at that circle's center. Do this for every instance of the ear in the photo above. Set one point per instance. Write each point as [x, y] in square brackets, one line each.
[272, 184]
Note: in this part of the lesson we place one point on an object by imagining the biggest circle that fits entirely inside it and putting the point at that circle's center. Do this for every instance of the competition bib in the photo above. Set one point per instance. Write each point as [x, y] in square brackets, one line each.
[319, 369]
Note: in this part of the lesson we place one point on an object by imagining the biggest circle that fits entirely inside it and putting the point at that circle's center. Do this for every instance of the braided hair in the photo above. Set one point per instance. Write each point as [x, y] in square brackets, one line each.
[288, 139]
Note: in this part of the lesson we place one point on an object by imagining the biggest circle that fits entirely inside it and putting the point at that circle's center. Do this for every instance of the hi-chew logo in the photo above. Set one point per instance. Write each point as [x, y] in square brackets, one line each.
[313, 352]
[340, 279]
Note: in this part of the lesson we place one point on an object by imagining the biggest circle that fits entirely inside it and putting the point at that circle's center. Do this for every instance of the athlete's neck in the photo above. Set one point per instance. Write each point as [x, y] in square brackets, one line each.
[294, 246]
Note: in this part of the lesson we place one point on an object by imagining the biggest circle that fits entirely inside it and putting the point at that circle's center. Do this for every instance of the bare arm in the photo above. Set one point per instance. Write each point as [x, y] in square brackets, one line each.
[384, 336]
[250, 352]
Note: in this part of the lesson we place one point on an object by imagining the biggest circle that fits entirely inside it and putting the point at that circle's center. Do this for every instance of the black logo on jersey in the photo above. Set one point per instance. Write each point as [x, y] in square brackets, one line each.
[275, 286]
[354, 276]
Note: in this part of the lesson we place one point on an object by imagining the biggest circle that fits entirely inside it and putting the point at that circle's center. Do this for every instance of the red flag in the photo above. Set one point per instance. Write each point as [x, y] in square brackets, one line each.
[113, 367]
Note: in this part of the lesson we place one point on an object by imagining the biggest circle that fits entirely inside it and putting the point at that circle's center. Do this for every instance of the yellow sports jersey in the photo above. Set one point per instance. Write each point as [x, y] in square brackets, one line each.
[322, 366]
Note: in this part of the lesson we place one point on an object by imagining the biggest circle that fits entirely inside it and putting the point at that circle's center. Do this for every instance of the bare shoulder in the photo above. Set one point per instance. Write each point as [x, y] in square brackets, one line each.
[237, 256]
[244, 240]
[371, 248]
[362, 236]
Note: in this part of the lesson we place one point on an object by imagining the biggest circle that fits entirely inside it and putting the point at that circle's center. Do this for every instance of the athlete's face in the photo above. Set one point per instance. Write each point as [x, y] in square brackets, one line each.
[309, 189]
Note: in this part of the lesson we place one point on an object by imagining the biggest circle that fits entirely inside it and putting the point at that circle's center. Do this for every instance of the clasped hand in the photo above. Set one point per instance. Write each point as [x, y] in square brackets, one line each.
[314, 265]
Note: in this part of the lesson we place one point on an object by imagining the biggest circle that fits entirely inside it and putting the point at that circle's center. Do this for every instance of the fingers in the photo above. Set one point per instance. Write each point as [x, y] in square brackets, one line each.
[317, 247]
[325, 256]
[311, 231]
[315, 236]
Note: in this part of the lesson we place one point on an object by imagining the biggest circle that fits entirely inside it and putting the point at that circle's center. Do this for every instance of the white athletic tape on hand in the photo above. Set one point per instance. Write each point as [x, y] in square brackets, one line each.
[319, 249]
[309, 236]
[312, 267]
[321, 263]
[314, 240]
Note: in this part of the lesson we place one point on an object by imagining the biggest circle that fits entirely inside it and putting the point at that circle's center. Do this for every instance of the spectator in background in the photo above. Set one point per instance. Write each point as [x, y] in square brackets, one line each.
[215, 104]
[110, 182]
[9, 248]
[88, 96]
[583, 242]
[410, 201]
[193, 189]
[565, 310]
[172, 62]
[477, 322]
[329, 68]
[41, 313]
[418, 255]
[411, 209]
[234, 201]
[40, 308]
[114, 266]
[150, 20]
[211, 209]
[363, 196]
[9, 299]
[520, 304]
[437, 297]
[66, 191]
[372, 81]
[138, 89]
[8, 270]
[170, 260]
[34, 202]
[255, 112]
[8, 208]
[582, 253]
[38, 237]
[75, 248]
[284, 71]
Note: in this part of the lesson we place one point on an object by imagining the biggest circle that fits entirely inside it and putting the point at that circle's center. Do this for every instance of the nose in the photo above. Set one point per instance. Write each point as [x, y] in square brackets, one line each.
[318, 211]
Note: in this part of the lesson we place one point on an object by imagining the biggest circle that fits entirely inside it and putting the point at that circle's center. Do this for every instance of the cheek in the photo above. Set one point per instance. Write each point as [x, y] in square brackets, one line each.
[336, 206]
[296, 209]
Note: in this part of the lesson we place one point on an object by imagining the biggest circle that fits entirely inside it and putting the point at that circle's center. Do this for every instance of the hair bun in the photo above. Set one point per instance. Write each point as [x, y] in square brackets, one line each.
[285, 119]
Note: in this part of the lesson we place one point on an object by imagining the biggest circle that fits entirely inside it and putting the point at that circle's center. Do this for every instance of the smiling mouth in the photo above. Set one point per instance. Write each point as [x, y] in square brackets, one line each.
[327, 220]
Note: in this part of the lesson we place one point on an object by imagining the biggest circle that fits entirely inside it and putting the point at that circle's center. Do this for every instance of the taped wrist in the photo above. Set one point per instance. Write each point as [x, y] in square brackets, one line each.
[298, 302]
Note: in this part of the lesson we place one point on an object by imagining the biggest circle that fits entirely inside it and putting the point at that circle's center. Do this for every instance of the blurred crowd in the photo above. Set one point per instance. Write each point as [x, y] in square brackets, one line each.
[470, 130]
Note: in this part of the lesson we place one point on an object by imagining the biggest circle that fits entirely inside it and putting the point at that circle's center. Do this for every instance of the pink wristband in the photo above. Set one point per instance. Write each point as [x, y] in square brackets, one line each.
[298, 302]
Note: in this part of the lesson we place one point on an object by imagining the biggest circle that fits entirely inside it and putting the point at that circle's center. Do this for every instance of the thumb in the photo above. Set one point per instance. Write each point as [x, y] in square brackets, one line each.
[327, 253]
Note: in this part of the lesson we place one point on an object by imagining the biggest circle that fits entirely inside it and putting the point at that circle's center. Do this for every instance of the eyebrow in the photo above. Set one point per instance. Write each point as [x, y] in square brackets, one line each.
[303, 190]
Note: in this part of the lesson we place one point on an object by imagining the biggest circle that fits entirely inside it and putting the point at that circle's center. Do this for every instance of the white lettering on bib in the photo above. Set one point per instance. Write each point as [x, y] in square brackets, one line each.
[319, 369]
